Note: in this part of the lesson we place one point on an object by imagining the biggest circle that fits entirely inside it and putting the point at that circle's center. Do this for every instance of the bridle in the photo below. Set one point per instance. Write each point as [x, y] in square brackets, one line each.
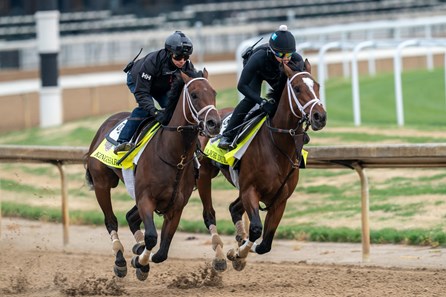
[201, 125]
[296, 134]
[194, 113]
[292, 97]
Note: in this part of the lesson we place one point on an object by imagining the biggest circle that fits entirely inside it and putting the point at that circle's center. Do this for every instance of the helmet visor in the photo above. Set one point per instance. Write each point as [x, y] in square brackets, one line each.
[281, 55]
[180, 57]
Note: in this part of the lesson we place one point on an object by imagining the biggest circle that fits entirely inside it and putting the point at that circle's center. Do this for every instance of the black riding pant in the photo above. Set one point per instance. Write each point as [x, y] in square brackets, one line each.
[135, 119]
[242, 109]
[239, 113]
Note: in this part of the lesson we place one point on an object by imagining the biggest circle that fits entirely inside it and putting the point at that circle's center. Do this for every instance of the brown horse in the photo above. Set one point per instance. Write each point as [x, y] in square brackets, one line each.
[269, 169]
[165, 174]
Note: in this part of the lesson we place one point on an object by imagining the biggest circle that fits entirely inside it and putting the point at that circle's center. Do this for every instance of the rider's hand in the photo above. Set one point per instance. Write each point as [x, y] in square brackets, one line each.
[268, 106]
[159, 115]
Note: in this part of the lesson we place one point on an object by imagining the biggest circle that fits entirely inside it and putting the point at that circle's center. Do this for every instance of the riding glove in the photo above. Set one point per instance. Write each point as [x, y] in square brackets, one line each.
[267, 106]
[159, 115]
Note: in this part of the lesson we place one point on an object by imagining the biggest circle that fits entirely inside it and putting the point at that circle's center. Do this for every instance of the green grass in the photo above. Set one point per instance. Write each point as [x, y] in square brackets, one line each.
[423, 99]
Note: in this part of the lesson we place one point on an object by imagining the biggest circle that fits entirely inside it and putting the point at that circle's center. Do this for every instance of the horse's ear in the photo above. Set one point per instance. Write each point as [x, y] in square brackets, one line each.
[307, 66]
[205, 73]
[185, 77]
[288, 70]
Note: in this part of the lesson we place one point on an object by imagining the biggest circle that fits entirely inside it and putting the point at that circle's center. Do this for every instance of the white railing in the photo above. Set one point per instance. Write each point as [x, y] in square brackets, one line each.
[349, 39]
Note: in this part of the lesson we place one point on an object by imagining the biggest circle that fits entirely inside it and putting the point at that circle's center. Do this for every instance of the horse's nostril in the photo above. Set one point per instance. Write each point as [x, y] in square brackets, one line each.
[317, 116]
[211, 124]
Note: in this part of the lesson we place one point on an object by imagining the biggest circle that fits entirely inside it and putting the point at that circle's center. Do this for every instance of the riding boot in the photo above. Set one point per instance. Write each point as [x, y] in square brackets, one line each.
[129, 129]
[239, 113]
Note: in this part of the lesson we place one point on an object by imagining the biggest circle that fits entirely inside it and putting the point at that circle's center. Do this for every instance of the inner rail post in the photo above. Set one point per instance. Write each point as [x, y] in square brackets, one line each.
[64, 190]
[364, 212]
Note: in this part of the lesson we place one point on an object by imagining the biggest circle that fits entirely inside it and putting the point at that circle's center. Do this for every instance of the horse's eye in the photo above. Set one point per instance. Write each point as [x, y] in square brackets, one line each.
[194, 96]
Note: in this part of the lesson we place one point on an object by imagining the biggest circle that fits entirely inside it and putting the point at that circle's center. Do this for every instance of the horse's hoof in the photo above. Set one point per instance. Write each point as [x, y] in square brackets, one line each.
[120, 271]
[142, 273]
[219, 265]
[231, 255]
[239, 264]
[134, 262]
[138, 248]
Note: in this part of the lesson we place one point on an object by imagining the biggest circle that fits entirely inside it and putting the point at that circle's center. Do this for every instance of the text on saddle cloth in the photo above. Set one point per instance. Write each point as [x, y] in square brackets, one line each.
[104, 152]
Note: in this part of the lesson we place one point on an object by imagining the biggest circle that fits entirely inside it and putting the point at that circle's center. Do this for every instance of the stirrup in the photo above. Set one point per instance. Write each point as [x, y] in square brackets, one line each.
[225, 143]
[122, 147]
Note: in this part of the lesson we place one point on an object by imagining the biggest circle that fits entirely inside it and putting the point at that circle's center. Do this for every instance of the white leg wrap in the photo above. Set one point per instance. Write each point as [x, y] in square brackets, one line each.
[240, 228]
[215, 238]
[114, 236]
[116, 243]
[145, 257]
[253, 248]
[139, 236]
[213, 229]
[245, 248]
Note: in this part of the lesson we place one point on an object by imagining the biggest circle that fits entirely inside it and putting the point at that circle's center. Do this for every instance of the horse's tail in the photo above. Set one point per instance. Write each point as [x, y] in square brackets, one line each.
[88, 178]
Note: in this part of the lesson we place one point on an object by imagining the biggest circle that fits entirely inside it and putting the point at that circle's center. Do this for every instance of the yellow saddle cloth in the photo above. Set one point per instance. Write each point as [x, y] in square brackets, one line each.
[104, 152]
[230, 157]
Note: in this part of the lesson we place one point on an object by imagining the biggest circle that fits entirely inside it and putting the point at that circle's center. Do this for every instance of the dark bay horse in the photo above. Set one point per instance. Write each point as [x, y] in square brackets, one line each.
[165, 174]
[269, 169]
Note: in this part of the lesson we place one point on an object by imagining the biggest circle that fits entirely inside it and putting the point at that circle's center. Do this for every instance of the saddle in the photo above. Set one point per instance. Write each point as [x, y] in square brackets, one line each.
[250, 121]
[105, 150]
[139, 133]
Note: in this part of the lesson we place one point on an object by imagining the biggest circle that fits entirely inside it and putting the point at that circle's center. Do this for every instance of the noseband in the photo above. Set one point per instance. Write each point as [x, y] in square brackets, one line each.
[292, 97]
[194, 113]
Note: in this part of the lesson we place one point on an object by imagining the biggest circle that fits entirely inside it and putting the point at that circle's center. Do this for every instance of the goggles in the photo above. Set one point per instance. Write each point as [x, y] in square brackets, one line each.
[282, 55]
[181, 57]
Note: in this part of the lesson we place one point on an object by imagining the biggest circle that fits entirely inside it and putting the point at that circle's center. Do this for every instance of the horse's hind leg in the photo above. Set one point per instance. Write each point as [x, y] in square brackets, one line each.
[134, 221]
[205, 192]
[103, 180]
[111, 223]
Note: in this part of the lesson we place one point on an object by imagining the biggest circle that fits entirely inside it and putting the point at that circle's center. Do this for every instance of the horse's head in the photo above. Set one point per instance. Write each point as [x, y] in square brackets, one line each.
[199, 104]
[303, 97]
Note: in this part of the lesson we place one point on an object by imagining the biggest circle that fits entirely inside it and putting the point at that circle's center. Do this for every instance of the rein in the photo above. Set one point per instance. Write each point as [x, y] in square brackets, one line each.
[297, 137]
[294, 165]
[195, 127]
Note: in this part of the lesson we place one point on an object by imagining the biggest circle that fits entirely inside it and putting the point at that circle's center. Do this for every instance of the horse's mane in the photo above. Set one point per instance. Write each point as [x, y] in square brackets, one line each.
[174, 94]
[277, 89]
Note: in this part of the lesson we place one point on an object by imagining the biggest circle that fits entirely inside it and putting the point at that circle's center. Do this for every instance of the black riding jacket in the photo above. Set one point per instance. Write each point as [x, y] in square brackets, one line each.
[263, 66]
[153, 76]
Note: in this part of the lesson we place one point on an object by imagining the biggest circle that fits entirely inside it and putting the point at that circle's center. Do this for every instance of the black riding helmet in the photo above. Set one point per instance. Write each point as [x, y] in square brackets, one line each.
[179, 44]
[282, 41]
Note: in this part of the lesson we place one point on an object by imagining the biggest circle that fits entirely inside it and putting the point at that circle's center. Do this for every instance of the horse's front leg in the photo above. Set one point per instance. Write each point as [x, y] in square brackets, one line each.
[272, 220]
[141, 262]
[205, 193]
[251, 205]
[134, 221]
[237, 214]
[170, 225]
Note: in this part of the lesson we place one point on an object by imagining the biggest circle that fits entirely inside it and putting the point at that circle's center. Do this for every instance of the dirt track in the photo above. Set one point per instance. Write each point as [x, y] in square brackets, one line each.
[34, 262]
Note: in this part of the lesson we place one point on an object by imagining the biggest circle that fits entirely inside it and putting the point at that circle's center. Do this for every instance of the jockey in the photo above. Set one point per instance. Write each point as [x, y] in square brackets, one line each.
[263, 65]
[150, 78]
